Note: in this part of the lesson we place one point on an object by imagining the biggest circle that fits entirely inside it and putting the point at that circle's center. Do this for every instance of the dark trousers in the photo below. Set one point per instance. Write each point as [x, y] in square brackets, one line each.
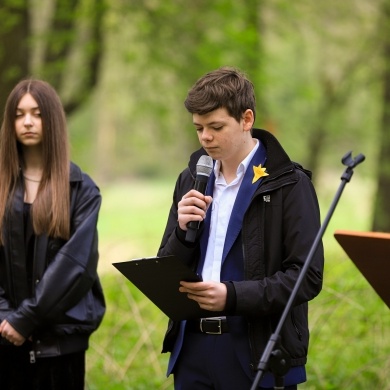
[64, 372]
[208, 362]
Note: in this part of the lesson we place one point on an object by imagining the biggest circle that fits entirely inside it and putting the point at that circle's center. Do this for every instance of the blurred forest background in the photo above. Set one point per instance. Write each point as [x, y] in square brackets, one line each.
[123, 67]
[321, 69]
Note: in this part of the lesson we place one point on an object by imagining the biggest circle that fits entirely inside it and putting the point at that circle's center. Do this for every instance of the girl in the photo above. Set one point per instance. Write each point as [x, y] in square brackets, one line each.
[50, 295]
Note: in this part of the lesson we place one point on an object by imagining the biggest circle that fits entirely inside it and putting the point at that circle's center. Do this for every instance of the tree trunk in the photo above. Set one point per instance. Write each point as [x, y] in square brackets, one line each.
[25, 52]
[14, 52]
[381, 220]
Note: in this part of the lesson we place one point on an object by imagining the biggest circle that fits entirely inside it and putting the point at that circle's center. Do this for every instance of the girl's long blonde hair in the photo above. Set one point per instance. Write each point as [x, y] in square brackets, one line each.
[51, 208]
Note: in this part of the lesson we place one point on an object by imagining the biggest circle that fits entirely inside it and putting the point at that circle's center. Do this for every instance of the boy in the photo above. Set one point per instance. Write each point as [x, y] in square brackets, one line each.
[259, 218]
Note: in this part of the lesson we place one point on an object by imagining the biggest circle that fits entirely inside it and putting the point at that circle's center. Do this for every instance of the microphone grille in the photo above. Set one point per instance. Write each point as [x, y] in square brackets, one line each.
[204, 166]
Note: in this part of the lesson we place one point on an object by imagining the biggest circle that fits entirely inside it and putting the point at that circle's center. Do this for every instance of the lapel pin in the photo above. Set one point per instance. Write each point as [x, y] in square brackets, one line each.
[258, 173]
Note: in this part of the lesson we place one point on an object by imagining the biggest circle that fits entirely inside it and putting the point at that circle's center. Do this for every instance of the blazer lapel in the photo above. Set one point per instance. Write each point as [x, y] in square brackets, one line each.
[206, 224]
[244, 197]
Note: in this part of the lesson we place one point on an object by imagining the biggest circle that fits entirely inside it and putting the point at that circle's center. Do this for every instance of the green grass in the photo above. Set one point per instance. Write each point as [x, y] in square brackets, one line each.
[350, 325]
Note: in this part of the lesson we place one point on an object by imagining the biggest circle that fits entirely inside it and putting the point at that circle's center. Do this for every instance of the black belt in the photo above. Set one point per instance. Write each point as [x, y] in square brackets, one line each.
[208, 326]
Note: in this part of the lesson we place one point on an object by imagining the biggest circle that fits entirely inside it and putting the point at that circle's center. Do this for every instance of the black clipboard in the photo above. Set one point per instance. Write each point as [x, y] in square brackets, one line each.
[159, 279]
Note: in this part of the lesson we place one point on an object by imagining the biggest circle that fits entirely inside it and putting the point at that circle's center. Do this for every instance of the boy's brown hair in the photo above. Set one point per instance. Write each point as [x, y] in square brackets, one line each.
[225, 87]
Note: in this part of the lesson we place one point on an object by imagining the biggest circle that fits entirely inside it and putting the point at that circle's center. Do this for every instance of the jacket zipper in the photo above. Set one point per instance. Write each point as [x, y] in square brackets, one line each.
[254, 358]
[295, 326]
[32, 357]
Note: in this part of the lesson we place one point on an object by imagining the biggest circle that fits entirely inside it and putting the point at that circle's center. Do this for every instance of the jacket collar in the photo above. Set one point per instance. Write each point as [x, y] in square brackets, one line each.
[278, 160]
[75, 173]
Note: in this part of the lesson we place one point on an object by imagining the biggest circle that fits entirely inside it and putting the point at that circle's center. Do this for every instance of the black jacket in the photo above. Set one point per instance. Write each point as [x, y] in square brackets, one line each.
[278, 230]
[64, 302]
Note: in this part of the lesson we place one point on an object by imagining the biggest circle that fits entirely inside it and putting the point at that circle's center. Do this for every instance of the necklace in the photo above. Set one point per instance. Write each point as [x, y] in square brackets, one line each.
[33, 180]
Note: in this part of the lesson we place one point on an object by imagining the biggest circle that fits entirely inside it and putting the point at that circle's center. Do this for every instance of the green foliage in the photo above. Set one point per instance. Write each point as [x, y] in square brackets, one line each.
[350, 344]
[350, 325]
[126, 67]
[125, 352]
[314, 66]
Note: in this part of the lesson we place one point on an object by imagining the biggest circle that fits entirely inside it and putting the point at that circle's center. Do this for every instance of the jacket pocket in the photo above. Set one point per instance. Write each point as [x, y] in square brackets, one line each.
[298, 332]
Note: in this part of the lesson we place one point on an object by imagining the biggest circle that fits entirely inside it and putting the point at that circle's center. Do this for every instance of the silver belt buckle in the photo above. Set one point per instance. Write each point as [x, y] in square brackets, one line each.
[219, 320]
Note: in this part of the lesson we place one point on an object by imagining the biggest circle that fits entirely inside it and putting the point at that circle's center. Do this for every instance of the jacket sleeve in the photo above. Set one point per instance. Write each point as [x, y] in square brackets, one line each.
[173, 241]
[71, 273]
[5, 307]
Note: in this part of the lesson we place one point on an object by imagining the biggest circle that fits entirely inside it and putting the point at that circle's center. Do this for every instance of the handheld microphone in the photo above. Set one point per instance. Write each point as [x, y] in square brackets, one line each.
[204, 168]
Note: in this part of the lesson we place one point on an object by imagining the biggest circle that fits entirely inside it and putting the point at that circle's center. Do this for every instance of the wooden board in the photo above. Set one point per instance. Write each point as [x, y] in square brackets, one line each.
[370, 252]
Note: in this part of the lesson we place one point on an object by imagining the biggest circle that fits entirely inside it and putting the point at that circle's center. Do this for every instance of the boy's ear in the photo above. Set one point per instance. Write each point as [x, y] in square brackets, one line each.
[248, 118]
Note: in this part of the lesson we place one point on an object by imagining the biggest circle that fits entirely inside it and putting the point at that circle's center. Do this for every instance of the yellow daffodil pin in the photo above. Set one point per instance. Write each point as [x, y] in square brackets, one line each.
[258, 173]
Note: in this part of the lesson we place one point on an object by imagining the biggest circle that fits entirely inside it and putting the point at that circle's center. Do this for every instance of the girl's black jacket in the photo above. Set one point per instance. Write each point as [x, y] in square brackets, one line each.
[279, 228]
[64, 303]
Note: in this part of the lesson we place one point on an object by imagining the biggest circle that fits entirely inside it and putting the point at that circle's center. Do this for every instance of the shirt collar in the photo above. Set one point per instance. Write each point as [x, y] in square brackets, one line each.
[241, 169]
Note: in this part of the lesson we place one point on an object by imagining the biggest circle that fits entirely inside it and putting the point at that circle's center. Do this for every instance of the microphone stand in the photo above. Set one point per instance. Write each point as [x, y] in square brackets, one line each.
[274, 358]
